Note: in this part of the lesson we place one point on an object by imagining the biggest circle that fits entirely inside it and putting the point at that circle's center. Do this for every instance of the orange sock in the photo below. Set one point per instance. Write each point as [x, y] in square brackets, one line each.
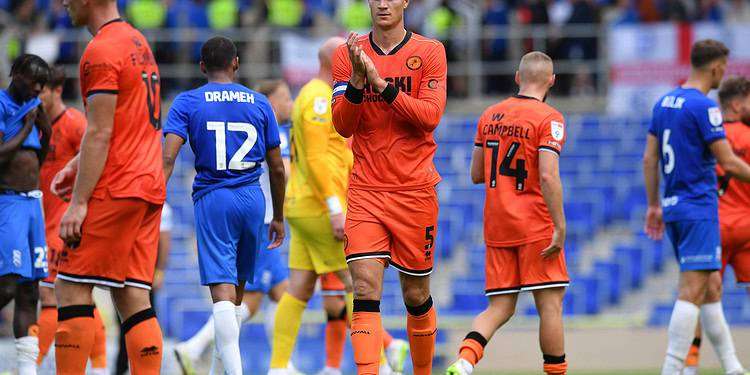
[335, 339]
[472, 348]
[144, 342]
[387, 339]
[421, 326]
[694, 354]
[554, 365]
[366, 332]
[99, 350]
[47, 322]
[74, 338]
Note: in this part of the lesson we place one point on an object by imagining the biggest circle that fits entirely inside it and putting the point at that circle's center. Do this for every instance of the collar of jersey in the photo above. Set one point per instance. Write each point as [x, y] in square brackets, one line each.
[394, 50]
[519, 96]
[118, 19]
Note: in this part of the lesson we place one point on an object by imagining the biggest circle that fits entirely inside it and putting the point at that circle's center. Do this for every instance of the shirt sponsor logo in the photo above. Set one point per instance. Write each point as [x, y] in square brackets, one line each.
[558, 130]
[670, 201]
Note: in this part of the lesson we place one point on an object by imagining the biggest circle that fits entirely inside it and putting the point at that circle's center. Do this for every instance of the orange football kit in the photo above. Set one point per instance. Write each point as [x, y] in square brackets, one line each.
[734, 205]
[517, 224]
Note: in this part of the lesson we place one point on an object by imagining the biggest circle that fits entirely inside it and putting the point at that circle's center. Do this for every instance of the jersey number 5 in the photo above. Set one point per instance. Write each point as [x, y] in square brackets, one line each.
[505, 169]
[235, 163]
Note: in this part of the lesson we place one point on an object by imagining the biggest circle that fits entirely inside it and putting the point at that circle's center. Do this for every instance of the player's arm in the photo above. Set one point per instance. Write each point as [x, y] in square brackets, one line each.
[12, 145]
[100, 116]
[549, 180]
[654, 223]
[277, 179]
[349, 75]
[732, 164]
[45, 127]
[424, 110]
[172, 145]
[477, 165]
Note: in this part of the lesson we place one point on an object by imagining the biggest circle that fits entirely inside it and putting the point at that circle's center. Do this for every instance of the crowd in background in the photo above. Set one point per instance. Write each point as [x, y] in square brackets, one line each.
[37, 25]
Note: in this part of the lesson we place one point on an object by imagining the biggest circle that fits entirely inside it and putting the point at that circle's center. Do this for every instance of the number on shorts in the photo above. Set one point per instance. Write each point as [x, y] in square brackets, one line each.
[429, 237]
[235, 163]
[40, 258]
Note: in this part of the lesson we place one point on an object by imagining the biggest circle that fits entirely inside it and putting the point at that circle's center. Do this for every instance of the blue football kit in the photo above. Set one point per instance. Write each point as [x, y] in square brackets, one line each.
[23, 249]
[686, 122]
[229, 128]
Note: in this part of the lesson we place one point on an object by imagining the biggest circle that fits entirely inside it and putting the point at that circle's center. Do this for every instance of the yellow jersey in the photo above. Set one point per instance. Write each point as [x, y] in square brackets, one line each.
[321, 159]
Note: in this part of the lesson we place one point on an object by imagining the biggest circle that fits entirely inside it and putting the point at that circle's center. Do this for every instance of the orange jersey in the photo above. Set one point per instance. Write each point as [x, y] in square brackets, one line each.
[734, 204]
[393, 142]
[512, 134]
[119, 61]
[67, 131]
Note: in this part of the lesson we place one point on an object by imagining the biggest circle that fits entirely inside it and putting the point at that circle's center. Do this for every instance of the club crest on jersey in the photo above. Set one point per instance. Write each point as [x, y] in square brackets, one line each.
[714, 116]
[414, 62]
[320, 106]
[558, 130]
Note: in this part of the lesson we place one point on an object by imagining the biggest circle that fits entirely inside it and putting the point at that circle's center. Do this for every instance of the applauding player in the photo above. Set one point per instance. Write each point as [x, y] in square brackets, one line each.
[516, 156]
[231, 130]
[390, 93]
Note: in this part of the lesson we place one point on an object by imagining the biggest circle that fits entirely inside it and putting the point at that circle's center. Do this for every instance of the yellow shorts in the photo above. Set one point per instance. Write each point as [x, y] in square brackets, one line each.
[313, 246]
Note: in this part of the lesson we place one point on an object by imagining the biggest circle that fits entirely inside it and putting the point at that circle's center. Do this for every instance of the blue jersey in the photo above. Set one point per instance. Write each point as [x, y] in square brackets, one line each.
[229, 128]
[11, 119]
[686, 122]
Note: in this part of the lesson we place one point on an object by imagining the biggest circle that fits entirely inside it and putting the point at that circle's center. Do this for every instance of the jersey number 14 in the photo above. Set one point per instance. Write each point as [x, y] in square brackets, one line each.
[235, 163]
[505, 169]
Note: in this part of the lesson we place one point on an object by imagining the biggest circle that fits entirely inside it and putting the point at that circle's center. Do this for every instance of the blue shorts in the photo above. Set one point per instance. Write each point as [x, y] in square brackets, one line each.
[23, 250]
[697, 244]
[270, 269]
[228, 226]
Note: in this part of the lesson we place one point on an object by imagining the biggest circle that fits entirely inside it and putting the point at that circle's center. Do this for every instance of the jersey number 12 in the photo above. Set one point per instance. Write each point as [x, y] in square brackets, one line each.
[235, 163]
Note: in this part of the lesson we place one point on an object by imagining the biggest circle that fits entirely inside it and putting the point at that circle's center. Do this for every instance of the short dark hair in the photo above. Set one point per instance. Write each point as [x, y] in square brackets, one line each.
[707, 51]
[732, 88]
[56, 77]
[269, 86]
[31, 66]
[217, 53]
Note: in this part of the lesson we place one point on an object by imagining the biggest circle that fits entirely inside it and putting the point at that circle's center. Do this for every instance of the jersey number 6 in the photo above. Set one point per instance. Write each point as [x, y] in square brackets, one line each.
[235, 163]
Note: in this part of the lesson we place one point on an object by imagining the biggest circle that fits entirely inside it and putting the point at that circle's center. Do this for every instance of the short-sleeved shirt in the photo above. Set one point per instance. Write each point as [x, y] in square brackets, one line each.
[118, 61]
[734, 203]
[229, 128]
[512, 133]
[321, 158]
[686, 122]
[11, 120]
[392, 149]
[67, 132]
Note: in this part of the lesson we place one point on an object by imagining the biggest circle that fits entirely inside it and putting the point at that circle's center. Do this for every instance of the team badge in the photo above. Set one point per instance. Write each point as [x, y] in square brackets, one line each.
[414, 62]
[714, 116]
[320, 106]
[558, 130]
[433, 84]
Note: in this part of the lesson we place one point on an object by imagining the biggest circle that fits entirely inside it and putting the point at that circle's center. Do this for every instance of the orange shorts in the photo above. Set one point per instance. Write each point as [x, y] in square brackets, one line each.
[331, 285]
[119, 245]
[399, 226]
[735, 251]
[521, 268]
[52, 260]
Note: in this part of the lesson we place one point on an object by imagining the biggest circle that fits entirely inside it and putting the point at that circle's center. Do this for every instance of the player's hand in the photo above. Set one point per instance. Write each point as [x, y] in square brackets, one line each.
[337, 223]
[62, 183]
[373, 77]
[359, 70]
[158, 280]
[654, 226]
[276, 233]
[70, 225]
[30, 117]
[556, 245]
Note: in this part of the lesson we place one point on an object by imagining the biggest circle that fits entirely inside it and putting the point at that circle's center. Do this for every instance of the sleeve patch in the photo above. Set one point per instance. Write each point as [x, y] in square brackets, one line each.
[558, 130]
[714, 116]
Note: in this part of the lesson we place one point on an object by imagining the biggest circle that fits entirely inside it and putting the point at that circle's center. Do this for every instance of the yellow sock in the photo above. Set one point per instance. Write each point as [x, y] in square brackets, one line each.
[349, 299]
[285, 329]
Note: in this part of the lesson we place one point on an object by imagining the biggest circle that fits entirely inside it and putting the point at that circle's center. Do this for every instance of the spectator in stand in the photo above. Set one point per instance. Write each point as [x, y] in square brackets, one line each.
[711, 10]
[624, 12]
[583, 13]
[354, 15]
[494, 45]
[286, 13]
[146, 15]
[736, 11]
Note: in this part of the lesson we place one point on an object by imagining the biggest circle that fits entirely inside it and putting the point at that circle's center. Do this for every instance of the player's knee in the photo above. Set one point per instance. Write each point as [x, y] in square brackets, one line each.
[302, 291]
[415, 295]
[715, 289]
[501, 312]
[694, 293]
[366, 289]
[27, 295]
[7, 292]
[549, 308]
[47, 296]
